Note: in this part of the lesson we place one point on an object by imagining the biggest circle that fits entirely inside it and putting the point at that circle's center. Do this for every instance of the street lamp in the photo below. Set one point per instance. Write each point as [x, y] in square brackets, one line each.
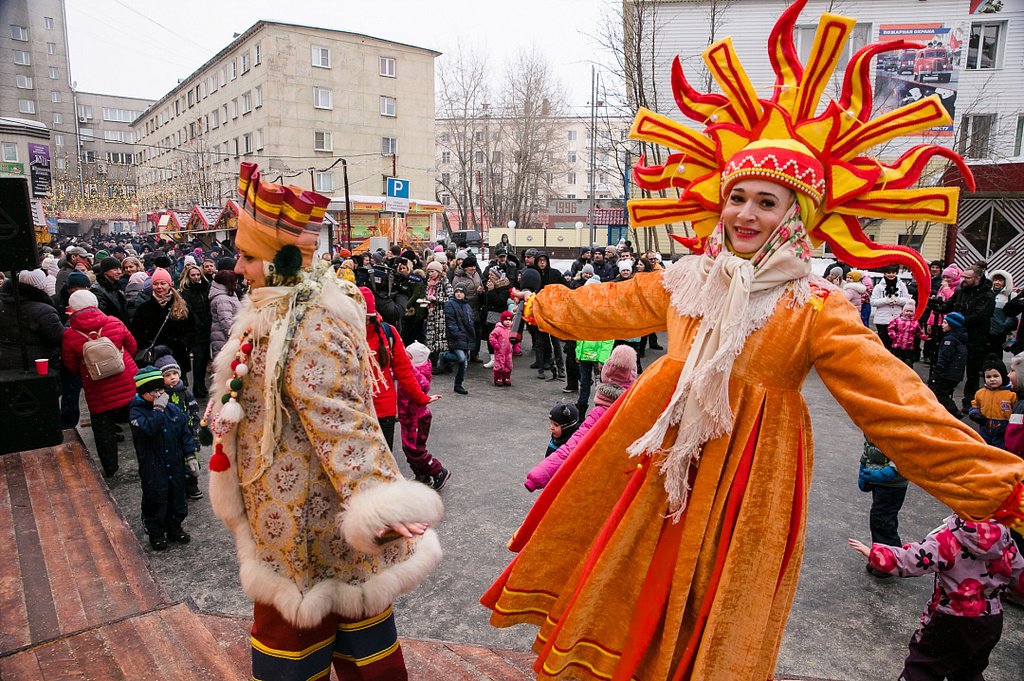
[579, 231]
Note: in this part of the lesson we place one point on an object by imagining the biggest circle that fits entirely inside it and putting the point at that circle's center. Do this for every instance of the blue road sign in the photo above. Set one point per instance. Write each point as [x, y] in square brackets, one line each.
[398, 189]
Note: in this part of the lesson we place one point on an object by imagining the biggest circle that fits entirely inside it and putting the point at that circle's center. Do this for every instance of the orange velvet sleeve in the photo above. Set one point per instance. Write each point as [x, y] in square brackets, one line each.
[607, 311]
[900, 415]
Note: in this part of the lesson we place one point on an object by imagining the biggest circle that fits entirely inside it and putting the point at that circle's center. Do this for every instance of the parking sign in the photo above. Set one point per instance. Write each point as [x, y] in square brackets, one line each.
[397, 200]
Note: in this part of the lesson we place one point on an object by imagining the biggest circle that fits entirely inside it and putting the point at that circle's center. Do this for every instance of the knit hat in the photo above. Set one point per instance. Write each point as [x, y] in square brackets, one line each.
[148, 379]
[470, 261]
[160, 274]
[137, 278]
[227, 279]
[371, 303]
[80, 300]
[226, 264]
[497, 272]
[585, 250]
[620, 369]
[955, 319]
[100, 255]
[274, 217]
[190, 260]
[110, 263]
[953, 272]
[441, 258]
[462, 255]
[594, 280]
[531, 253]
[854, 275]
[418, 353]
[997, 364]
[625, 265]
[434, 265]
[1017, 367]
[836, 271]
[34, 278]
[167, 364]
[507, 315]
[162, 261]
[565, 414]
[462, 286]
[587, 269]
[78, 280]
[439, 249]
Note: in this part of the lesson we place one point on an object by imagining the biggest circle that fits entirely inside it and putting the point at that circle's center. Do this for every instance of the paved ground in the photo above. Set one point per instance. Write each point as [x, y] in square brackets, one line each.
[844, 624]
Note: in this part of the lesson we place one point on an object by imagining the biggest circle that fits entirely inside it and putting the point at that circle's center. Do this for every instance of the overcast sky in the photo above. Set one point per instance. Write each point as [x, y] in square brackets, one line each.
[141, 47]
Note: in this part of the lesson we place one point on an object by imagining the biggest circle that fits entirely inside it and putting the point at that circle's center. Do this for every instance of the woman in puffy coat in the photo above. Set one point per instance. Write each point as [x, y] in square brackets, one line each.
[108, 397]
[195, 289]
[178, 333]
[223, 309]
[40, 322]
[887, 300]
[389, 352]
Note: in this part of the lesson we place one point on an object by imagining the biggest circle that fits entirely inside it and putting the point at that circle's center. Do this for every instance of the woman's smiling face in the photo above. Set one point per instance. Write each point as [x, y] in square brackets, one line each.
[752, 211]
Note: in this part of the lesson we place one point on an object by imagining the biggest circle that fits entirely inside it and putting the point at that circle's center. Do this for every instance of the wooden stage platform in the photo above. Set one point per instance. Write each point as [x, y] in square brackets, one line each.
[79, 599]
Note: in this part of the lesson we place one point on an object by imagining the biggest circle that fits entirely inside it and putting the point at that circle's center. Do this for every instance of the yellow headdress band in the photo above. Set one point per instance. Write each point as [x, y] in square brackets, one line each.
[739, 127]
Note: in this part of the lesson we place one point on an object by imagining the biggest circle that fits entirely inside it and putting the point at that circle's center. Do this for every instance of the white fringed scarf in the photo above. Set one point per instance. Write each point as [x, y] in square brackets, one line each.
[733, 297]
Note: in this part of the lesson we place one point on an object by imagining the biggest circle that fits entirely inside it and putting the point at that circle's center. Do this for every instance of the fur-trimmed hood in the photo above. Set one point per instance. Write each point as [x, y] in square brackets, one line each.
[1008, 289]
[855, 286]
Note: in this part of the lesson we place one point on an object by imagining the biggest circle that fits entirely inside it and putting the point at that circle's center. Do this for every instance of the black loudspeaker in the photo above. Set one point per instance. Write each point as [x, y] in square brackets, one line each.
[17, 234]
[31, 412]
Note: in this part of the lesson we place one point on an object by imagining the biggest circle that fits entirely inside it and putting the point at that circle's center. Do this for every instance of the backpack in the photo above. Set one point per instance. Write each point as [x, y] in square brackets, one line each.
[101, 357]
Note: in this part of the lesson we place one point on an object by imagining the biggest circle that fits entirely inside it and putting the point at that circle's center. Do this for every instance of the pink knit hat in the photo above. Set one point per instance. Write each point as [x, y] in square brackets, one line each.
[620, 369]
[160, 274]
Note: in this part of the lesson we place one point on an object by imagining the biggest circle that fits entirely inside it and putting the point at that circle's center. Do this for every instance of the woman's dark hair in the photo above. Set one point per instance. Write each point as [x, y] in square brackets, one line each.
[648, 267]
[891, 269]
[383, 354]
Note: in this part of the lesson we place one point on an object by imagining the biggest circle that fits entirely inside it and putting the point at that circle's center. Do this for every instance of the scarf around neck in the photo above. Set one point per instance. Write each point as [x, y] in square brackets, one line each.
[732, 297]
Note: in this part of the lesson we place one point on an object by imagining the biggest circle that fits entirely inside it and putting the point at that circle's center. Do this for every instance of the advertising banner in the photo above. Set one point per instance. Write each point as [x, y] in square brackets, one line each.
[39, 169]
[905, 76]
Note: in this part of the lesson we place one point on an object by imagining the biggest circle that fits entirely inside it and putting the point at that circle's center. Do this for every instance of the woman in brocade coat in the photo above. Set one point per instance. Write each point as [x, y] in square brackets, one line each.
[680, 571]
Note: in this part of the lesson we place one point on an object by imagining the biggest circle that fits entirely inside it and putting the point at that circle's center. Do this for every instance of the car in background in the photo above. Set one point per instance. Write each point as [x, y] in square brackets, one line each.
[906, 63]
[888, 62]
[467, 237]
[933, 63]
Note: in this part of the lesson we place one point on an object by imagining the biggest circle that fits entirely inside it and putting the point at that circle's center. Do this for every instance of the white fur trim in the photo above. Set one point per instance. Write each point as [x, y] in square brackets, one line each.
[382, 505]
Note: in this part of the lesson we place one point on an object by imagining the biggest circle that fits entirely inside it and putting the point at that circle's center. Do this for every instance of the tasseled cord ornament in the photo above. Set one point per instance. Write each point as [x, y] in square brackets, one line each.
[231, 413]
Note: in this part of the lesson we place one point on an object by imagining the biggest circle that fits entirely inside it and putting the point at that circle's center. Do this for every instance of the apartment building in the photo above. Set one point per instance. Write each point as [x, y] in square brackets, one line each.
[296, 100]
[34, 74]
[973, 58]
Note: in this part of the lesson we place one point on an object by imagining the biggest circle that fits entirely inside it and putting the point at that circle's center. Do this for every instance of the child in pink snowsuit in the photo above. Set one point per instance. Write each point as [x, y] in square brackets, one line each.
[415, 419]
[502, 350]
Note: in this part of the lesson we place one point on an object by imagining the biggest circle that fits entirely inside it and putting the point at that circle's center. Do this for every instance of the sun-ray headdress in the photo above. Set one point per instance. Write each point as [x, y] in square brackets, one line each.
[854, 186]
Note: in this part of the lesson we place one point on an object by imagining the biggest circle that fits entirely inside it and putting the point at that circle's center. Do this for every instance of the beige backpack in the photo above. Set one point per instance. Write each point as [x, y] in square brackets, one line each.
[101, 357]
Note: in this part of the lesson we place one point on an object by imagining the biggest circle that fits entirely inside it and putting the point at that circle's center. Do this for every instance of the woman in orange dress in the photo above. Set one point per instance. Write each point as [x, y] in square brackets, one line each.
[669, 544]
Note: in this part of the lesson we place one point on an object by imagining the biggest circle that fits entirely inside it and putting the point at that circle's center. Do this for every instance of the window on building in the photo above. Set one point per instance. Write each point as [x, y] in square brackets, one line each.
[22, 57]
[984, 50]
[214, 119]
[211, 84]
[257, 96]
[87, 133]
[321, 98]
[323, 182]
[549, 157]
[200, 91]
[478, 156]
[10, 151]
[55, 96]
[387, 106]
[571, 156]
[446, 137]
[54, 72]
[1020, 136]
[387, 67]
[58, 117]
[62, 164]
[572, 135]
[223, 77]
[24, 82]
[224, 115]
[233, 66]
[234, 108]
[19, 33]
[446, 199]
[859, 37]
[245, 62]
[321, 57]
[234, 147]
[58, 140]
[89, 156]
[120, 158]
[496, 157]
[976, 134]
[446, 179]
[90, 188]
[247, 143]
[246, 102]
[446, 157]
[51, 48]
[388, 145]
[85, 112]
[322, 140]
[26, 106]
[191, 98]
[259, 139]
[48, 23]
[125, 136]
[570, 178]
[257, 55]
[120, 115]
[479, 136]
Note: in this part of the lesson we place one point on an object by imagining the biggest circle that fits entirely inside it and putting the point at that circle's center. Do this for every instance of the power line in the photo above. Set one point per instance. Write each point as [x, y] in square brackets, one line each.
[172, 32]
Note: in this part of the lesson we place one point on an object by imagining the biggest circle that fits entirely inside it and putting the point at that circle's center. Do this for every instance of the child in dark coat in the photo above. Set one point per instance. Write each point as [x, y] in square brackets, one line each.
[974, 563]
[992, 405]
[888, 488]
[565, 419]
[163, 441]
[951, 364]
[182, 398]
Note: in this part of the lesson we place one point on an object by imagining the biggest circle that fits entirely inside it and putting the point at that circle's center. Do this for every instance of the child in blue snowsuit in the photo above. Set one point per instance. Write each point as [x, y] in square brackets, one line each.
[162, 441]
[182, 398]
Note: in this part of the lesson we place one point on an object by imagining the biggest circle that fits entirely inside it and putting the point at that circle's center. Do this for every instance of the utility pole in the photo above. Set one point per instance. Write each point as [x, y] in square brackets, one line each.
[593, 151]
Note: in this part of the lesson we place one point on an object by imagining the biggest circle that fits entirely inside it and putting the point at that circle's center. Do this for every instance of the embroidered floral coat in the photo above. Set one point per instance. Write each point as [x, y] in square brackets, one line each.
[973, 564]
[305, 521]
[618, 589]
[437, 338]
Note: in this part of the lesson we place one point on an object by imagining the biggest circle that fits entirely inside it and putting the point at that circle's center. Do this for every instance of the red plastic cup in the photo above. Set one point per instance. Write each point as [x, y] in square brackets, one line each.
[42, 366]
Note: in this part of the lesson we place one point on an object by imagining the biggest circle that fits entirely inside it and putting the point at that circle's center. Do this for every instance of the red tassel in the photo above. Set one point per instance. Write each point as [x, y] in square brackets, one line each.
[219, 462]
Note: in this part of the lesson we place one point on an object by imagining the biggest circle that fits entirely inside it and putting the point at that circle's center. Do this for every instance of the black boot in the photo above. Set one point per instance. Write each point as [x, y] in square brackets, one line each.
[178, 535]
[158, 542]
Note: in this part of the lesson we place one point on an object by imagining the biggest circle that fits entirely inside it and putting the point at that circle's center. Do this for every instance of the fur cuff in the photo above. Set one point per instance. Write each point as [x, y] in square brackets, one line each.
[369, 511]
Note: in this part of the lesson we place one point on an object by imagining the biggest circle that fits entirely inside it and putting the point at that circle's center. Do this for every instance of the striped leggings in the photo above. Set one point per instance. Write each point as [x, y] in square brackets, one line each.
[360, 650]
